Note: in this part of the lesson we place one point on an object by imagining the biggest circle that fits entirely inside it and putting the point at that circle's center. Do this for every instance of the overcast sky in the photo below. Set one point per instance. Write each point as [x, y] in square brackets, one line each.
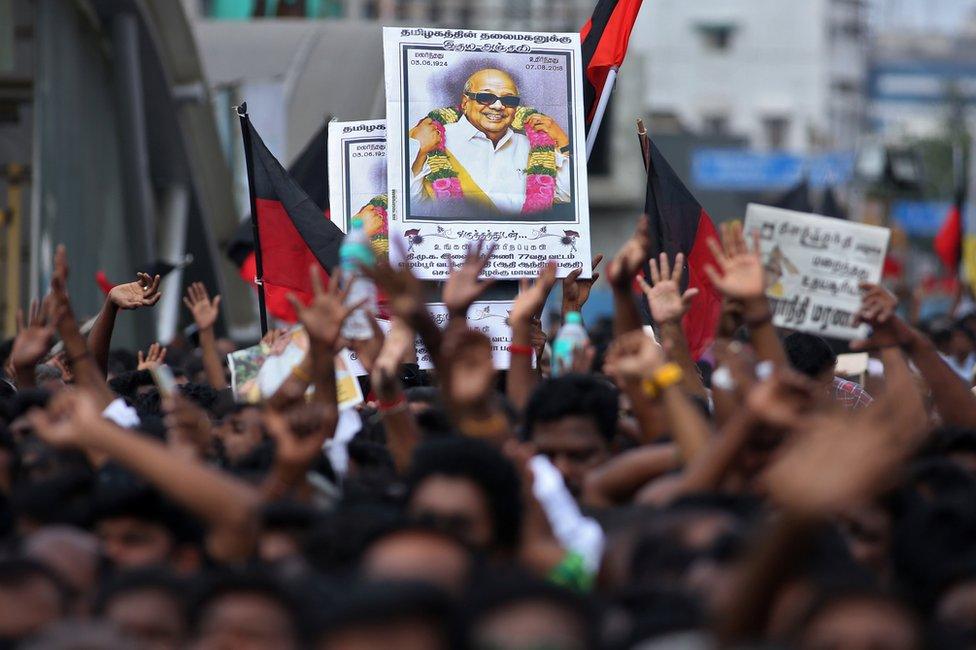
[943, 15]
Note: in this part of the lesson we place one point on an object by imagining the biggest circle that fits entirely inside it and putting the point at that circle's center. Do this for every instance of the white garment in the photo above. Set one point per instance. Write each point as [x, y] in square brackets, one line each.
[498, 171]
[572, 529]
[121, 414]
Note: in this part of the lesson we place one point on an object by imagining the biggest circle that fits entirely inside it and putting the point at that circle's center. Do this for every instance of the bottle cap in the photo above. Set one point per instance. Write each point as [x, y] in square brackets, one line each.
[574, 318]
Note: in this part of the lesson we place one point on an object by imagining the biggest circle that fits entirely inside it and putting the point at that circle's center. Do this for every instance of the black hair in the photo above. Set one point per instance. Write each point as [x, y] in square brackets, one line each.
[574, 395]
[131, 499]
[23, 401]
[16, 572]
[499, 588]
[423, 394]
[375, 604]
[831, 597]
[487, 468]
[121, 361]
[339, 537]
[247, 581]
[951, 439]
[143, 579]
[809, 354]
[126, 383]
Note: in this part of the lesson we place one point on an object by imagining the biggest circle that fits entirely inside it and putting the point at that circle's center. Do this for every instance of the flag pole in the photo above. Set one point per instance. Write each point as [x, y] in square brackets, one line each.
[645, 145]
[258, 265]
[601, 109]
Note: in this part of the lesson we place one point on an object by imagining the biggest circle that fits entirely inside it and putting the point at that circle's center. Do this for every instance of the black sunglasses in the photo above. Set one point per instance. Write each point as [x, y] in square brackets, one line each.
[487, 99]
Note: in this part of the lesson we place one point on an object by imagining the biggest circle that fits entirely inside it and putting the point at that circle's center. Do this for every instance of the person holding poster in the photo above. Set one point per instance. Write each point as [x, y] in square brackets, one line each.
[485, 142]
[522, 171]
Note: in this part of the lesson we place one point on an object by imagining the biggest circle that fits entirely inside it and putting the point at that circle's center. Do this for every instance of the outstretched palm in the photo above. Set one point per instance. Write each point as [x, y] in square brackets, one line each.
[324, 316]
[205, 311]
[631, 256]
[742, 276]
[33, 340]
[667, 302]
[144, 292]
[462, 287]
[532, 296]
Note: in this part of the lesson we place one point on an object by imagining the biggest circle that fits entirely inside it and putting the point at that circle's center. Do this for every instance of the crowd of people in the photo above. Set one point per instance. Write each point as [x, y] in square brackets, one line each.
[634, 498]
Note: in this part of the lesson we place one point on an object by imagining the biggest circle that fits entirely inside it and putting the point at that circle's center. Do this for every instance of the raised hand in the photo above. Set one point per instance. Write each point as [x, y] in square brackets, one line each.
[367, 350]
[462, 287]
[205, 311]
[144, 292]
[631, 256]
[742, 276]
[33, 339]
[154, 357]
[395, 349]
[404, 291]
[427, 135]
[68, 420]
[575, 291]
[879, 310]
[782, 400]
[299, 433]
[324, 316]
[633, 357]
[532, 295]
[187, 426]
[472, 374]
[549, 126]
[668, 304]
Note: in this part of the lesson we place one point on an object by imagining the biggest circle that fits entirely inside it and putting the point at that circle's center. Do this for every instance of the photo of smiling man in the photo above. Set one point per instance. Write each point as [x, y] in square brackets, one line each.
[493, 151]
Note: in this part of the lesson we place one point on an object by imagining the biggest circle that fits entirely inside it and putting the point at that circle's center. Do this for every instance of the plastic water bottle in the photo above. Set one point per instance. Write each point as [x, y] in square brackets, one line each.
[356, 251]
[571, 337]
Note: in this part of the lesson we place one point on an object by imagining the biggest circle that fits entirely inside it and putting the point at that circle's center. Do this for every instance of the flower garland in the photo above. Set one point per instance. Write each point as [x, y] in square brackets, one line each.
[540, 169]
[378, 229]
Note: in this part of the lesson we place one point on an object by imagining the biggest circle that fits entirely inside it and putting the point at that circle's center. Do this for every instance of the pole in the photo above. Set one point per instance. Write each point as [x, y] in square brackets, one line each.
[258, 265]
[645, 145]
[601, 109]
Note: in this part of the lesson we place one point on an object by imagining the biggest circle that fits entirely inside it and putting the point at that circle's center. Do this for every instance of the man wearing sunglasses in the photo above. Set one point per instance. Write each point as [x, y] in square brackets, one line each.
[489, 156]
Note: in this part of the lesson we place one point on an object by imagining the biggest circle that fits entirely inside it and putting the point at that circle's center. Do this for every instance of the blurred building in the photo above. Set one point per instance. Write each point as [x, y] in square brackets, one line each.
[919, 81]
[785, 75]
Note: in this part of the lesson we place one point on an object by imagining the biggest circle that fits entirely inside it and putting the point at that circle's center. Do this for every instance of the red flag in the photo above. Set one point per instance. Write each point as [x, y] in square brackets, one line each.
[679, 224]
[948, 243]
[294, 231]
[604, 45]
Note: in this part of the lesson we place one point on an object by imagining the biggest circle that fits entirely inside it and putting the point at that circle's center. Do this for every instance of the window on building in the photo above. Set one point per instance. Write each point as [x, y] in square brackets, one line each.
[716, 37]
[716, 124]
[776, 129]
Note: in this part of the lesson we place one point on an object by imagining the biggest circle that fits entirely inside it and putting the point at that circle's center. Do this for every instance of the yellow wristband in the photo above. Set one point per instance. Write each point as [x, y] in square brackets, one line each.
[667, 376]
[650, 388]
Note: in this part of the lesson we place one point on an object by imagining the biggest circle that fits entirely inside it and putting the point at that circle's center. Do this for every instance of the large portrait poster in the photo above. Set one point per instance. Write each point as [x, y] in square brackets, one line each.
[814, 266]
[486, 142]
[357, 177]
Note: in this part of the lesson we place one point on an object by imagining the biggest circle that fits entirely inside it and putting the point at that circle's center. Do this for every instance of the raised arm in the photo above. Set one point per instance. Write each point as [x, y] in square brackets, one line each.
[621, 273]
[402, 434]
[668, 307]
[463, 287]
[205, 313]
[32, 344]
[144, 292]
[953, 398]
[742, 279]
[230, 506]
[527, 306]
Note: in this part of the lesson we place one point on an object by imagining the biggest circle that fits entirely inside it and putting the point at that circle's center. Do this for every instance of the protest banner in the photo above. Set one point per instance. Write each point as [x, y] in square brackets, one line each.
[814, 266]
[357, 177]
[258, 371]
[485, 141]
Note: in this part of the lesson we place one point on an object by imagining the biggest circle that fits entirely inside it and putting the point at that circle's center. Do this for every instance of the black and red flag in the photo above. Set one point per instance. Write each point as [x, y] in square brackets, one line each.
[604, 40]
[293, 231]
[679, 224]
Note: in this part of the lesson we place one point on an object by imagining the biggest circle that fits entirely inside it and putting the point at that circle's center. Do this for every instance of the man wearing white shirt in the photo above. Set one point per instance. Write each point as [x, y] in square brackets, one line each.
[483, 143]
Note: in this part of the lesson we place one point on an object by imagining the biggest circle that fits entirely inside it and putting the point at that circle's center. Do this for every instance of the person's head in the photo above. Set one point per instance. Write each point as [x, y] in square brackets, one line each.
[72, 553]
[417, 553]
[961, 343]
[147, 605]
[572, 419]
[31, 597]
[382, 615]
[509, 612]
[811, 355]
[489, 100]
[859, 620]
[240, 432]
[247, 611]
[138, 528]
[467, 487]
[49, 377]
